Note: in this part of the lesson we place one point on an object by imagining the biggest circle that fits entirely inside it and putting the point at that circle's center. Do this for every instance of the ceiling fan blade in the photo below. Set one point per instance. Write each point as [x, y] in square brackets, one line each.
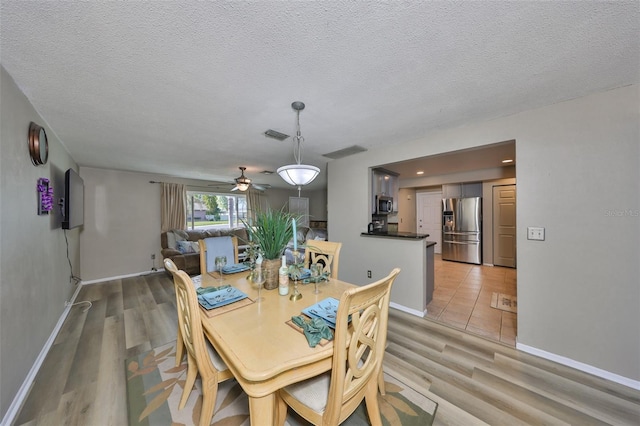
[258, 187]
[235, 188]
[220, 183]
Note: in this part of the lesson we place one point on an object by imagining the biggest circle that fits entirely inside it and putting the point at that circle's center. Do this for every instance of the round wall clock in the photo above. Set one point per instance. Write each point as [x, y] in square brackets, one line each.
[38, 144]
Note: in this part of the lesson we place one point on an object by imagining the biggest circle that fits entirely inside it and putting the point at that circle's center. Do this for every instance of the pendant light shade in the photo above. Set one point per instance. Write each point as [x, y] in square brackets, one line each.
[298, 174]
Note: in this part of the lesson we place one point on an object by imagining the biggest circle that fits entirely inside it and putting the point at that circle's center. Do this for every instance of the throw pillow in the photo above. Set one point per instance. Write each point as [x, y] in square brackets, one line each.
[171, 240]
[185, 247]
[300, 235]
[195, 246]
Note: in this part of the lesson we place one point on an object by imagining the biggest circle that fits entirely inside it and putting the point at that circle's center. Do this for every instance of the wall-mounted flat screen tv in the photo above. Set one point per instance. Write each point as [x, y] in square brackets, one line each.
[73, 200]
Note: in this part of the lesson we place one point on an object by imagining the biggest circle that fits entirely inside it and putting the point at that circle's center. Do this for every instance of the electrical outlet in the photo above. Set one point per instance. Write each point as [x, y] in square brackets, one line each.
[535, 233]
[368, 274]
[153, 256]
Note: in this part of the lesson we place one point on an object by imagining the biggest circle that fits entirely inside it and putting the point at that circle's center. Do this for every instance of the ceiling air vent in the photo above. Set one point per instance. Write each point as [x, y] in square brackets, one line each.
[275, 134]
[341, 153]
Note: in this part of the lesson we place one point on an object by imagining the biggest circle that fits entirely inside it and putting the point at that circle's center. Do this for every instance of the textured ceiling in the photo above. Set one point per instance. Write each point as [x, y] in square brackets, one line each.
[187, 88]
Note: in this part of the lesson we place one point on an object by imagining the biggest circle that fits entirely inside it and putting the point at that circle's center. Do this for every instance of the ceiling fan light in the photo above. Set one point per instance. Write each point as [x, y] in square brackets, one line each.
[298, 174]
[243, 182]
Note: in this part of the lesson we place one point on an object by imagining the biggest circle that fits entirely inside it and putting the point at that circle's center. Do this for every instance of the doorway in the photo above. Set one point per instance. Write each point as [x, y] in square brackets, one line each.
[429, 216]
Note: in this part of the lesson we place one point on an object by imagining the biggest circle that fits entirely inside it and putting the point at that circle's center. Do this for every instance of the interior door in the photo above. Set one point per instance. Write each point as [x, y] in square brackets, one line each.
[429, 217]
[504, 225]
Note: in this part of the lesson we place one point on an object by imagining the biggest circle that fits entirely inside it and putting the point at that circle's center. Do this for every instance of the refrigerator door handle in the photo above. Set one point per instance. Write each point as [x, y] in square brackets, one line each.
[463, 242]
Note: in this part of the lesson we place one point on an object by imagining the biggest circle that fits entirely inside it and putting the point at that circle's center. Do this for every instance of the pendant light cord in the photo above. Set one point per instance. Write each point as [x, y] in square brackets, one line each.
[297, 152]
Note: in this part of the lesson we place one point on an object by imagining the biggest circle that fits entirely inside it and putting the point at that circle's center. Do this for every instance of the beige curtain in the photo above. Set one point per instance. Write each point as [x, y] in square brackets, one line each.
[253, 204]
[173, 206]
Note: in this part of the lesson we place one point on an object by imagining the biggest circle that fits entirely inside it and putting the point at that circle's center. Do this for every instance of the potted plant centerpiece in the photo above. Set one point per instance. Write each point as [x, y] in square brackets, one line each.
[271, 231]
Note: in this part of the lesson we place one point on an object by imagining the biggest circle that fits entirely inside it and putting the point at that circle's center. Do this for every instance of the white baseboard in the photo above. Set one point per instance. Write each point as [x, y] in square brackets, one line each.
[18, 400]
[117, 277]
[633, 384]
[407, 310]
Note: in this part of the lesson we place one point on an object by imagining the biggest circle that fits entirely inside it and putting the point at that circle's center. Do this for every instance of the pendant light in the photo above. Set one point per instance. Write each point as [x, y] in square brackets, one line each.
[298, 174]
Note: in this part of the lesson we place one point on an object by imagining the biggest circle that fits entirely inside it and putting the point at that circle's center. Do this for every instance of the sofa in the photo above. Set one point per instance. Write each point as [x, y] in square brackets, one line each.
[181, 246]
[305, 236]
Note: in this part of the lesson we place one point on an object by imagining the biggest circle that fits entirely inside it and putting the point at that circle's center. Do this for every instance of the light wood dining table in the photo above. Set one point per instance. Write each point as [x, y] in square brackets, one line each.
[263, 351]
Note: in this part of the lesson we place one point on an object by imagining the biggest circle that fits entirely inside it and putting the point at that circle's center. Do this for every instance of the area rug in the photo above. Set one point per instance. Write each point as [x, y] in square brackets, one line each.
[154, 388]
[504, 302]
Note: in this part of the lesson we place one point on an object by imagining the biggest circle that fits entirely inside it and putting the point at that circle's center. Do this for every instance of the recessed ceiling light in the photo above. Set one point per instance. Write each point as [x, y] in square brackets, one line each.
[420, 172]
[266, 172]
[508, 160]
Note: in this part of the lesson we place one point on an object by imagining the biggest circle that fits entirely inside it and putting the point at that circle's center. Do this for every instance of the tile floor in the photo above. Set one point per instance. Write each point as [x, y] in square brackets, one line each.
[462, 299]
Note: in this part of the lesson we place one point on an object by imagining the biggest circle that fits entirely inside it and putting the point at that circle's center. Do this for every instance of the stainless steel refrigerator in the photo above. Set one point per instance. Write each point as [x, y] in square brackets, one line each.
[462, 229]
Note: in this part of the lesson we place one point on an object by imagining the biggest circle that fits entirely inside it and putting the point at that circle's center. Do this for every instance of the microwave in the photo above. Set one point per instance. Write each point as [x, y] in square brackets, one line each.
[384, 204]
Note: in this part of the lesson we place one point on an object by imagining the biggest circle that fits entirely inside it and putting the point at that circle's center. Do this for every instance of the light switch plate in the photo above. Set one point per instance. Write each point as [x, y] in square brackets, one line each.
[535, 233]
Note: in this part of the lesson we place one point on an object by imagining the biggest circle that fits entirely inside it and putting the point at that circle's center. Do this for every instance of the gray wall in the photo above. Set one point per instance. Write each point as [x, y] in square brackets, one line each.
[317, 200]
[122, 223]
[122, 220]
[34, 272]
[577, 175]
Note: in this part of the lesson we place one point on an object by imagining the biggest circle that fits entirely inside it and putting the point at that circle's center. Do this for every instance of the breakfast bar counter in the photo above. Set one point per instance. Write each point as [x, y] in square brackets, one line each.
[413, 254]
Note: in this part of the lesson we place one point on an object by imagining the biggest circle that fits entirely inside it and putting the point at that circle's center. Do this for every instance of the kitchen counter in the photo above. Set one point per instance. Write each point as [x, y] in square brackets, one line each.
[404, 235]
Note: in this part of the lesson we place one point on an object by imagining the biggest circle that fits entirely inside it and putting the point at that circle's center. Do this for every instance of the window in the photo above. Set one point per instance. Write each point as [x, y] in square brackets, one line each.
[212, 210]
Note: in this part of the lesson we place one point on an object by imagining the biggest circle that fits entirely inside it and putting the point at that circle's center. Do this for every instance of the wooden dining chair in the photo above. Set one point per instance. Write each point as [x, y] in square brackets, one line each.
[172, 268]
[217, 246]
[325, 252]
[358, 348]
[202, 358]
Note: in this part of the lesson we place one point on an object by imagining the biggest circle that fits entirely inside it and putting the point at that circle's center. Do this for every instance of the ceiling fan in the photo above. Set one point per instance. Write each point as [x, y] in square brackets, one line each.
[242, 183]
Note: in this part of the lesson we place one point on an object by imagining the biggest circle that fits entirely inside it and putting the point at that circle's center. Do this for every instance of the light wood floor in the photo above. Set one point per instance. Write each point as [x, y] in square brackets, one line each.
[462, 299]
[474, 380]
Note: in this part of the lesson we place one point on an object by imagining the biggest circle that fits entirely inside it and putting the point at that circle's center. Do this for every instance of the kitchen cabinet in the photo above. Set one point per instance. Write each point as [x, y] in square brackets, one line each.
[384, 182]
[462, 190]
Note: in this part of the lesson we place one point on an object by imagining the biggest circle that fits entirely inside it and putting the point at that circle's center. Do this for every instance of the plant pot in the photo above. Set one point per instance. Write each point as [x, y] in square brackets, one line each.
[271, 268]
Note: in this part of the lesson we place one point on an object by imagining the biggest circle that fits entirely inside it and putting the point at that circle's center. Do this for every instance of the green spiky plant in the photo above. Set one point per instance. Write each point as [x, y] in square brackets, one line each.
[271, 231]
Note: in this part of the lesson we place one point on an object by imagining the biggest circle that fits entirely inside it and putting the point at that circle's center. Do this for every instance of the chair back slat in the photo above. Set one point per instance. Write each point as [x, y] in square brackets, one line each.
[326, 253]
[189, 320]
[359, 344]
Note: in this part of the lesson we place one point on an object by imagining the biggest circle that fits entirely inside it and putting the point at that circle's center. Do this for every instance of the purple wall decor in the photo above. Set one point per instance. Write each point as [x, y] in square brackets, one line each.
[45, 196]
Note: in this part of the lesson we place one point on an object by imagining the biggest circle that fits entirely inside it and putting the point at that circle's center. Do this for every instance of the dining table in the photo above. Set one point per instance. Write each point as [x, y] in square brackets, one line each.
[259, 343]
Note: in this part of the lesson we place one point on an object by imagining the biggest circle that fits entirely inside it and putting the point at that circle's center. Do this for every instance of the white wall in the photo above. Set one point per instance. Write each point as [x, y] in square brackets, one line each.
[34, 272]
[406, 216]
[577, 175]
